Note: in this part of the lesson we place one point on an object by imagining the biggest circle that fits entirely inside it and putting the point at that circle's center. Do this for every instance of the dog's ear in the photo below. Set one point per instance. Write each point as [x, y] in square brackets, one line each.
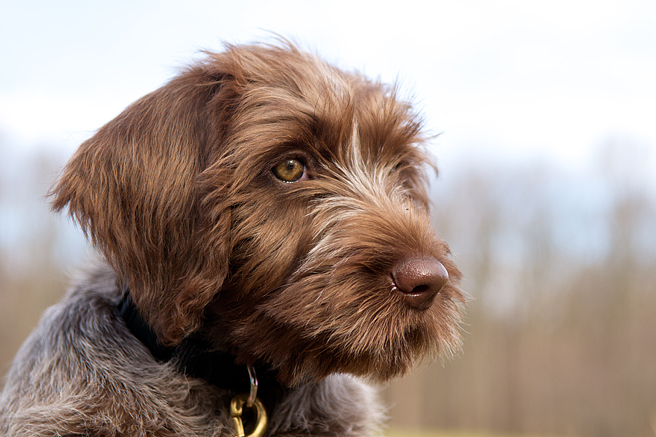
[133, 188]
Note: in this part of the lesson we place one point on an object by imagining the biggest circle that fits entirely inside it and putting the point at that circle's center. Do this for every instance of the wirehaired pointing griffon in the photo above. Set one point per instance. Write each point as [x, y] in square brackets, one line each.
[267, 248]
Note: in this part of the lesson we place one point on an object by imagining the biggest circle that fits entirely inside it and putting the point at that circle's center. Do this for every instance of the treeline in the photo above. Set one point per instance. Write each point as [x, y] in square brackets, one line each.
[560, 335]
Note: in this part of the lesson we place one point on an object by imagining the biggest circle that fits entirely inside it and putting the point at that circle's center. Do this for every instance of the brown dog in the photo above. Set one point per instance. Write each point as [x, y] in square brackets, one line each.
[262, 211]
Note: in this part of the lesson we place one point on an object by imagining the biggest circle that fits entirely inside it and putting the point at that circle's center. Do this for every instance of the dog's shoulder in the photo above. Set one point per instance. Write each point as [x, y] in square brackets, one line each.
[81, 315]
[85, 318]
[82, 360]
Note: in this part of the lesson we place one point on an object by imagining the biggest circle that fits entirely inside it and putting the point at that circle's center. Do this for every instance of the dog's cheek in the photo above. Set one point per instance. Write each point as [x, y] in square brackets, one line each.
[271, 235]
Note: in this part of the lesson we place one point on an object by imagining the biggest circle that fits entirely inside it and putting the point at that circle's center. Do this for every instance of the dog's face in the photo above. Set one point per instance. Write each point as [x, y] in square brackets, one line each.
[278, 205]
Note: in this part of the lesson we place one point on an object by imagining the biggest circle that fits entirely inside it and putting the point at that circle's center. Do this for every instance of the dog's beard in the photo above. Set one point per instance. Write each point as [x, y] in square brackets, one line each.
[338, 312]
[347, 322]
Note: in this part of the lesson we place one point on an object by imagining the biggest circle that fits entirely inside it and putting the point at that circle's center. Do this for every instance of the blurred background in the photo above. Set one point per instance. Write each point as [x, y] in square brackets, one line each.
[547, 188]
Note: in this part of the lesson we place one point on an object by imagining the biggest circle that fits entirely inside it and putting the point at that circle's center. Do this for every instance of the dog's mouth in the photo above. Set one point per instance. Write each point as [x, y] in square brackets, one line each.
[418, 280]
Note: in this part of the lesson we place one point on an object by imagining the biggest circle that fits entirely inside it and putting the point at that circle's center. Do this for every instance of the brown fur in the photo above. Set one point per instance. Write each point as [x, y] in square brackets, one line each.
[177, 192]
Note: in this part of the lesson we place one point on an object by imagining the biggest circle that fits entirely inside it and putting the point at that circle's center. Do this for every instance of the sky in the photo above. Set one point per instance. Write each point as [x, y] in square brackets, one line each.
[508, 80]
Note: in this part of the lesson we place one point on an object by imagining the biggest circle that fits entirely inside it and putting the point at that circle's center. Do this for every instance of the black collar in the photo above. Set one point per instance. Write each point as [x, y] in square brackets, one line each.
[194, 357]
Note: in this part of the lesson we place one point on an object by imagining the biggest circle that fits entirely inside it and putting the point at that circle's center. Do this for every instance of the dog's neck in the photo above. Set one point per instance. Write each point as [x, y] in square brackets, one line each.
[195, 358]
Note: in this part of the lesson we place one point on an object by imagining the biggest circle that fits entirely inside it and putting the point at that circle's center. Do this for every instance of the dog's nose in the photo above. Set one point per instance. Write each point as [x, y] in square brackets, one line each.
[419, 279]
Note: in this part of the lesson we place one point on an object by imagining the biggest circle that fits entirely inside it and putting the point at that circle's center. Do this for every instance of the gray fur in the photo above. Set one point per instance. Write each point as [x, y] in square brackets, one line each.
[82, 372]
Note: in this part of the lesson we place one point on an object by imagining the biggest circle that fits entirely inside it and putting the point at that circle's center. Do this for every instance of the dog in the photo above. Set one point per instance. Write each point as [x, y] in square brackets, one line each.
[267, 259]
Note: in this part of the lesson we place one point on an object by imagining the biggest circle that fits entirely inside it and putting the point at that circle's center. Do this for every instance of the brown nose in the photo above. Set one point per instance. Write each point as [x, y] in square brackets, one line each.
[419, 279]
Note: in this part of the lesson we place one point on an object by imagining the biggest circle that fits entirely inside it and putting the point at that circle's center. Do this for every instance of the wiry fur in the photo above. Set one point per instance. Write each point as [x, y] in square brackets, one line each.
[178, 194]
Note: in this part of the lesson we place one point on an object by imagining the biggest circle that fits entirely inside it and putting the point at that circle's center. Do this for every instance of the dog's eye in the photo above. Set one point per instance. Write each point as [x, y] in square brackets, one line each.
[290, 170]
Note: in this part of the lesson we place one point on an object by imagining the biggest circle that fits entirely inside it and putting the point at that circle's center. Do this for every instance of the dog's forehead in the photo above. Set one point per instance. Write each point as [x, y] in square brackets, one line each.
[290, 99]
[348, 111]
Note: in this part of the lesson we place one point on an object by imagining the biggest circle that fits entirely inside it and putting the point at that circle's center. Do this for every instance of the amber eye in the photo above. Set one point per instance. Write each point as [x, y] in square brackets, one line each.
[290, 170]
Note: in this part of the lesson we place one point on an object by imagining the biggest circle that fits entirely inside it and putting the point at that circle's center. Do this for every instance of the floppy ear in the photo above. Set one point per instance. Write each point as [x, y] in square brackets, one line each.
[133, 188]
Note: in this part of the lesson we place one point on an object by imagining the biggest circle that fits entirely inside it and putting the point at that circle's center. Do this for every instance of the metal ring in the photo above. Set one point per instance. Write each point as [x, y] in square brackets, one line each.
[237, 409]
[253, 393]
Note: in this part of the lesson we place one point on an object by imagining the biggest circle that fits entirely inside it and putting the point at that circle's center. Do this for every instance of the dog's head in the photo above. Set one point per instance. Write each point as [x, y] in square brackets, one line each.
[278, 204]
